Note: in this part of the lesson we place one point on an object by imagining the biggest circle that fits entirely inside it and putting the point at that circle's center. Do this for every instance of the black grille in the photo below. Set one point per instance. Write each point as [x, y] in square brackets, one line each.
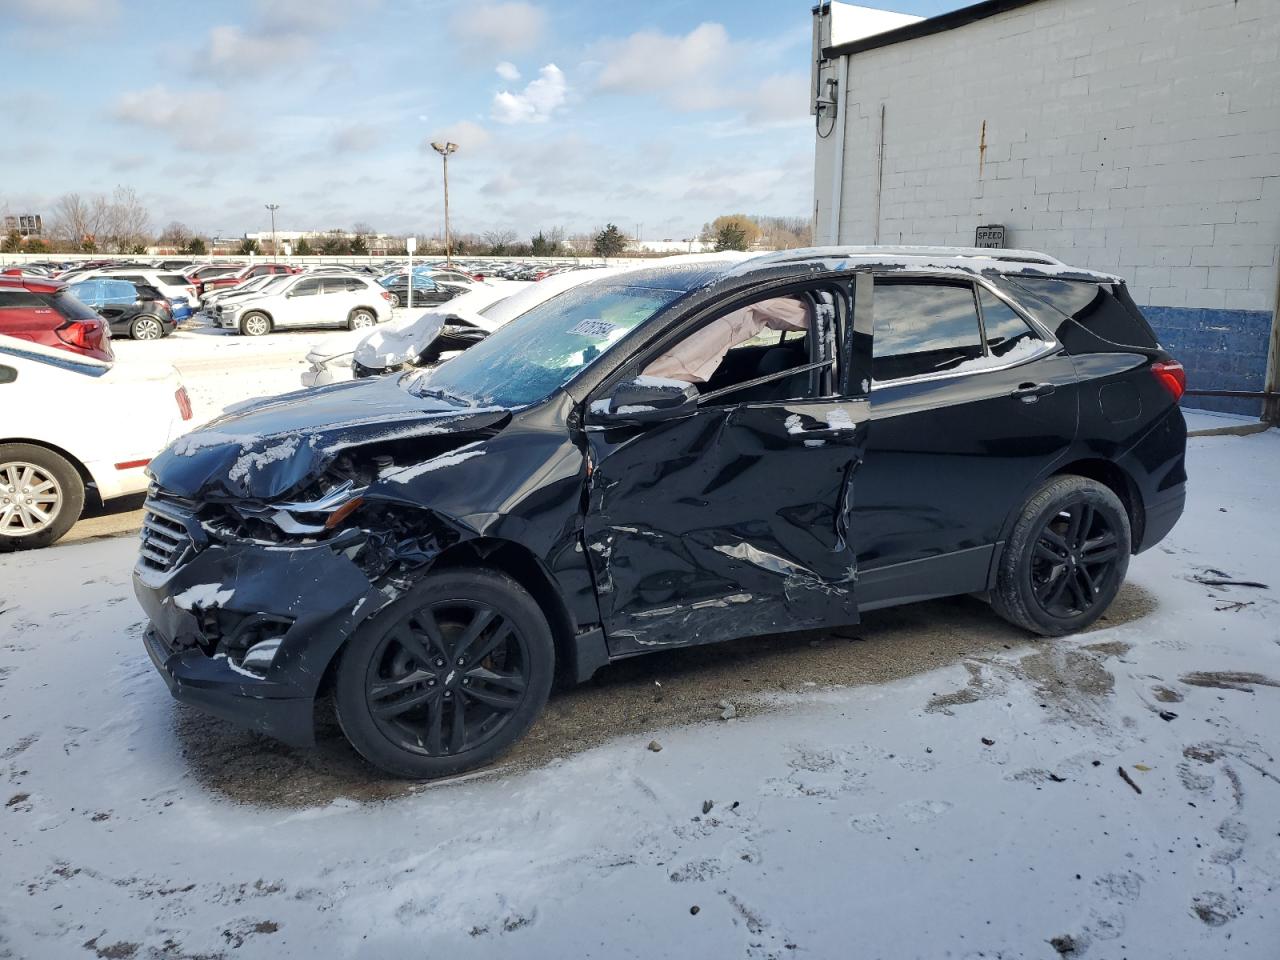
[166, 539]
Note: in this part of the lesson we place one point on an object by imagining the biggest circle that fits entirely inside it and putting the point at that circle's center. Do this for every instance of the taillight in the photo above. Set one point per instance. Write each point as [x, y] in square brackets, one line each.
[191, 292]
[184, 402]
[1171, 376]
[81, 334]
[386, 295]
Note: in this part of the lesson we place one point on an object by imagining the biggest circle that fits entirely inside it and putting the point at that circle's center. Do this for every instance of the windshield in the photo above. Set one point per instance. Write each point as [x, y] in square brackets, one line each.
[544, 348]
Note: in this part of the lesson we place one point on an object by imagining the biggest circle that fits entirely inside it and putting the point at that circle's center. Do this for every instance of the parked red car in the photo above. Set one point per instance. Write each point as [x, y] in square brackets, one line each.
[225, 280]
[44, 312]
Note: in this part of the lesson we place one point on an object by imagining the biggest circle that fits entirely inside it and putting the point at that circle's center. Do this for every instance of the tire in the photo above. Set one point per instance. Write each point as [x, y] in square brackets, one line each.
[395, 300]
[361, 318]
[146, 328]
[400, 693]
[28, 471]
[255, 324]
[1066, 558]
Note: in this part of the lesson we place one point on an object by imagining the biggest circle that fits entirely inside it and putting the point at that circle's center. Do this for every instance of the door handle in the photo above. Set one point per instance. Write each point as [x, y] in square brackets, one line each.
[1031, 392]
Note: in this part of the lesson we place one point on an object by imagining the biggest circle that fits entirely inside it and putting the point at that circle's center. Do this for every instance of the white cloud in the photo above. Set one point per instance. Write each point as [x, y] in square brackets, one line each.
[60, 12]
[195, 119]
[284, 32]
[686, 69]
[507, 27]
[535, 104]
[507, 71]
[466, 134]
[356, 137]
[706, 70]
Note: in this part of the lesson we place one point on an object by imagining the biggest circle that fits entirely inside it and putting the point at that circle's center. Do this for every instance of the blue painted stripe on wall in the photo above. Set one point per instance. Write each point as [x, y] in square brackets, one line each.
[1221, 350]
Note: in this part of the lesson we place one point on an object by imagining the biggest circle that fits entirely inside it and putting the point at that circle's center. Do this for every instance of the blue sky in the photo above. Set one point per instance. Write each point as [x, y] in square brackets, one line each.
[567, 113]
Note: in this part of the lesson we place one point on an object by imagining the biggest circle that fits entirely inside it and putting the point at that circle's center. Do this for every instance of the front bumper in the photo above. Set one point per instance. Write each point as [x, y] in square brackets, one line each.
[217, 595]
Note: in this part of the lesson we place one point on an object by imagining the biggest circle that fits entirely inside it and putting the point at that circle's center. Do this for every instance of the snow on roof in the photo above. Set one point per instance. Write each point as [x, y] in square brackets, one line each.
[964, 259]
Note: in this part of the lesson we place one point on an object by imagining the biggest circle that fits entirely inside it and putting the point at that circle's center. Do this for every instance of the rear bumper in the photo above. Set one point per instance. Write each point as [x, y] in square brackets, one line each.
[1162, 513]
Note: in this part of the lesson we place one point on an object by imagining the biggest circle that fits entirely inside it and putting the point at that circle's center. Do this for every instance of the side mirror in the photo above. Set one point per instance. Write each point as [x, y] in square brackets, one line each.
[645, 400]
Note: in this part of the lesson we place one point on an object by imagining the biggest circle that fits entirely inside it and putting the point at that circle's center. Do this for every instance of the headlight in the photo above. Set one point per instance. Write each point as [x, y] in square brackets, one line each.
[318, 516]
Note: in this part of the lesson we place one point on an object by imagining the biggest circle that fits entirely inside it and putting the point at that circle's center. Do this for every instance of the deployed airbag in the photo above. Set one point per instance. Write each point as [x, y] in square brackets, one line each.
[695, 358]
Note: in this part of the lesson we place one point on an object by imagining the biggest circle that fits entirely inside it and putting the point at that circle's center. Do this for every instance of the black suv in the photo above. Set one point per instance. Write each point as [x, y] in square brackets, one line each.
[673, 455]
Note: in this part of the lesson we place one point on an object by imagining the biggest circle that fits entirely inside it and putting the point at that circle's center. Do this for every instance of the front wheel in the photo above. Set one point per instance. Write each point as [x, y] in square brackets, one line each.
[255, 324]
[41, 496]
[395, 299]
[1066, 559]
[447, 677]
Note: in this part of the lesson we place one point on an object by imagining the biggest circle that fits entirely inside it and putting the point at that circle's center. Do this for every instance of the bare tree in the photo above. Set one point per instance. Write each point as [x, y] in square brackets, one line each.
[75, 219]
[176, 235]
[129, 223]
[498, 240]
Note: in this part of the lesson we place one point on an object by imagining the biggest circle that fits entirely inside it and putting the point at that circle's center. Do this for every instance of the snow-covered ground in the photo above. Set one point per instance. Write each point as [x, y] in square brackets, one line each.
[989, 807]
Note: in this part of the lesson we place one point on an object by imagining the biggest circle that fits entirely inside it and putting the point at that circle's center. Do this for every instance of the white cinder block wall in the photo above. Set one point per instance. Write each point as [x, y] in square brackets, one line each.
[1141, 137]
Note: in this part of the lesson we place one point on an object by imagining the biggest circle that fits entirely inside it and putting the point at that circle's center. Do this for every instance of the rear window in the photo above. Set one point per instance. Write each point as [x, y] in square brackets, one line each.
[10, 299]
[70, 307]
[172, 279]
[1113, 317]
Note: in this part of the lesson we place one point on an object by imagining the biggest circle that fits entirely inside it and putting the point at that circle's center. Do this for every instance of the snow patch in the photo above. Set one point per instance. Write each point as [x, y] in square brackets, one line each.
[203, 595]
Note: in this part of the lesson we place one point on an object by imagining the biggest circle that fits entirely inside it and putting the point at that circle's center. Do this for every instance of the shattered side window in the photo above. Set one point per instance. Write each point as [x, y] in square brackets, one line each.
[544, 348]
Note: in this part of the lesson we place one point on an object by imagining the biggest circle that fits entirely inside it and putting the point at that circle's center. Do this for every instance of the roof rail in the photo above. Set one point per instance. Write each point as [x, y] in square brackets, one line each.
[985, 253]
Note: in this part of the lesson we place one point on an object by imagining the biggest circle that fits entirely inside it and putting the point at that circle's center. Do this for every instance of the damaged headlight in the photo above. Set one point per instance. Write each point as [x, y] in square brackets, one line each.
[307, 518]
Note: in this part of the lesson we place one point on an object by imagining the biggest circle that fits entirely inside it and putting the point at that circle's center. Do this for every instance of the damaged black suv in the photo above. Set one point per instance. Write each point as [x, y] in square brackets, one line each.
[676, 455]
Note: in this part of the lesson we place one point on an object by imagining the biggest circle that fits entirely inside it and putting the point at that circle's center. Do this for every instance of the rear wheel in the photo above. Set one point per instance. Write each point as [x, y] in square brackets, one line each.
[447, 677]
[395, 299]
[1066, 559]
[255, 324]
[146, 328]
[41, 496]
[360, 319]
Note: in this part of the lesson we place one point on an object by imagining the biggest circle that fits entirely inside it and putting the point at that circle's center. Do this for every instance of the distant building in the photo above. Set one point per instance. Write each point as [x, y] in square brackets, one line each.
[1137, 137]
[25, 225]
[379, 244]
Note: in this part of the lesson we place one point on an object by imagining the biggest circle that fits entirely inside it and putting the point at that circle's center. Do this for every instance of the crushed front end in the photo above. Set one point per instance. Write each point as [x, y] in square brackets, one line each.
[261, 554]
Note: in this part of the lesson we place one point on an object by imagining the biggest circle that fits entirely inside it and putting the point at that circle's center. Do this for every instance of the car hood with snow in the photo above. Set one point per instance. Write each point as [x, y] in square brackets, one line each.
[270, 448]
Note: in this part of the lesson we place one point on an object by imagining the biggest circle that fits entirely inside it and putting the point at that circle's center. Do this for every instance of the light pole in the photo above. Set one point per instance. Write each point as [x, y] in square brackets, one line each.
[444, 149]
[273, 207]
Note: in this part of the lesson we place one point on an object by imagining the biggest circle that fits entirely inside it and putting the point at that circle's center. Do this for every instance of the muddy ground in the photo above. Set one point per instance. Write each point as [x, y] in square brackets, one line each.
[682, 687]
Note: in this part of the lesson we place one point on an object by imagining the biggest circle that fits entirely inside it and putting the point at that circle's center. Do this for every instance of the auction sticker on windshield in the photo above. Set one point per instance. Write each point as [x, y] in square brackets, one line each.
[599, 329]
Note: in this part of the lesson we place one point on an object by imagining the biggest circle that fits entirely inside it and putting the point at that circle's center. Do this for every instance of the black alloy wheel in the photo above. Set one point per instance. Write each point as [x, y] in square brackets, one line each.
[1075, 560]
[448, 676]
[1065, 559]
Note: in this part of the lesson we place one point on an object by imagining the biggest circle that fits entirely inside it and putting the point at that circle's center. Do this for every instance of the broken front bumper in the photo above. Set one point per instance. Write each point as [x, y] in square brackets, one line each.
[218, 601]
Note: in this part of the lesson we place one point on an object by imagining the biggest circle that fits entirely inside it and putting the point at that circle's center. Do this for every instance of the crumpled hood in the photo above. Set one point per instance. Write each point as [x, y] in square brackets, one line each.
[267, 447]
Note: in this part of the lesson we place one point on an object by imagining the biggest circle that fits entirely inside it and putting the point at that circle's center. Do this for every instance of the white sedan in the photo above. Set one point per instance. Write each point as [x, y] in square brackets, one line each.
[70, 423]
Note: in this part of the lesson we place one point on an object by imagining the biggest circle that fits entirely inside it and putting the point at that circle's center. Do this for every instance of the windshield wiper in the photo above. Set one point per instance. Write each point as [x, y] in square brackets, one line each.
[438, 394]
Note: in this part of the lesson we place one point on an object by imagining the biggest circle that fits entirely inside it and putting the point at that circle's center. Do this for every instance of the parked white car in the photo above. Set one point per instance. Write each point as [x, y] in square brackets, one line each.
[247, 289]
[173, 285]
[71, 426]
[308, 301]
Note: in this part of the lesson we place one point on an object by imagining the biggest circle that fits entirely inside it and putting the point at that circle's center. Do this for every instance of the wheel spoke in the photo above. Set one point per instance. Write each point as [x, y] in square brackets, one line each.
[1088, 583]
[426, 619]
[1077, 594]
[507, 681]
[482, 619]
[493, 699]
[500, 635]
[458, 732]
[412, 645]
[1045, 552]
[435, 731]
[383, 689]
[397, 707]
